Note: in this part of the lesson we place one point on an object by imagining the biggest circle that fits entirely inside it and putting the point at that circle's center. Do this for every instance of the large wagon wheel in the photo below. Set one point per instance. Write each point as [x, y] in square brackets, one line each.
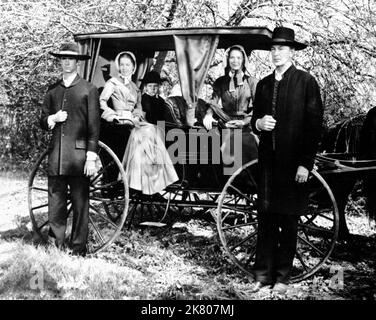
[237, 223]
[108, 200]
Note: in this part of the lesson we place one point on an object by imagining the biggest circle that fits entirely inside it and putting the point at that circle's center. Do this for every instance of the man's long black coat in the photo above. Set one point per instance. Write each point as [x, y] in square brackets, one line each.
[79, 133]
[299, 116]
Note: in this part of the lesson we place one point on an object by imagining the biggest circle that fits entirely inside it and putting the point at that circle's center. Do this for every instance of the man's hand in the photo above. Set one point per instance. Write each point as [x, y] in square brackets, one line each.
[60, 116]
[89, 168]
[208, 121]
[266, 123]
[301, 174]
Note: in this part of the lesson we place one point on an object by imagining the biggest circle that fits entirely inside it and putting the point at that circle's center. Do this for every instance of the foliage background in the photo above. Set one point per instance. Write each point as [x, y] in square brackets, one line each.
[341, 34]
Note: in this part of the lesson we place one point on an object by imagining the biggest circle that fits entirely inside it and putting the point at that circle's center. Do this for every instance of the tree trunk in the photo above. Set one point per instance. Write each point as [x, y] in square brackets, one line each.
[244, 10]
[162, 55]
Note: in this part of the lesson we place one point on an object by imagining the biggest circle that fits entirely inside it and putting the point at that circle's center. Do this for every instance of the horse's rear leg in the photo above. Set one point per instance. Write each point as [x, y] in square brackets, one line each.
[343, 232]
[342, 189]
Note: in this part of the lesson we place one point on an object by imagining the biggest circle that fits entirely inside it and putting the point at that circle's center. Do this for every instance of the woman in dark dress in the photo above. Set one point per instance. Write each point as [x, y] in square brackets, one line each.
[235, 91]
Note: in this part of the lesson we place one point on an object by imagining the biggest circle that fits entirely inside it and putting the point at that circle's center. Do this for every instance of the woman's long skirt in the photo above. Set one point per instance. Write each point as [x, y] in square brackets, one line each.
[146, 161]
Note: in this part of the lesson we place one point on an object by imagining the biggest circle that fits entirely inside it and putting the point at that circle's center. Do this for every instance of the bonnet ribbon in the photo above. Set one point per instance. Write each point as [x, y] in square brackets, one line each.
[238, 75]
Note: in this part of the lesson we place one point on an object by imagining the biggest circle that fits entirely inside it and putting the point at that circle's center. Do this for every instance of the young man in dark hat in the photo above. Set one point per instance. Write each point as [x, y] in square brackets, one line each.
[152, 103]
[71, 110]
[288, 116]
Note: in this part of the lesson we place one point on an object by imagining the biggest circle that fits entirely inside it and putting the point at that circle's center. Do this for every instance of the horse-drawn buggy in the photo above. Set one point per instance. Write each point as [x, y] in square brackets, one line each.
[203, 181]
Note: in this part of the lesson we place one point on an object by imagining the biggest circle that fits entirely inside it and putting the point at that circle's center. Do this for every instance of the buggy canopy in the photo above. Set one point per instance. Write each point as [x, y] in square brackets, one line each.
[194, 48]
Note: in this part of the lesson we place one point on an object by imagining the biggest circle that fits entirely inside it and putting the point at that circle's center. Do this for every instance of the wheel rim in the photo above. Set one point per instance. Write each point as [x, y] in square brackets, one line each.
[317, 233]
[237, 218]
[318, 229]
[108, 200]
[37, 197]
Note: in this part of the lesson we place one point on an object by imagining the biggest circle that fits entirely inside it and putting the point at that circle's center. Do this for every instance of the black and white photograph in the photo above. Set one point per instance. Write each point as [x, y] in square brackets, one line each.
[188, 155]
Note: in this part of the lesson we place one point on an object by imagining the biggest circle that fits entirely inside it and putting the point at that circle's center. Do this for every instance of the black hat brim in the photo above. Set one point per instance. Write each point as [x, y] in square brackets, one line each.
[148, 80]
[74, 56]
[294, 44]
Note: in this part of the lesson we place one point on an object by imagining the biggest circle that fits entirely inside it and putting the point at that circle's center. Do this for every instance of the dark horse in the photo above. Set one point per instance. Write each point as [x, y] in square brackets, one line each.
[353, 138]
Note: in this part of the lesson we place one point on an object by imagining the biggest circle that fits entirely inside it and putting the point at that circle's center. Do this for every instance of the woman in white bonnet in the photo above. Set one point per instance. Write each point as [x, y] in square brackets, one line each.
[124, 93]
[146, 161]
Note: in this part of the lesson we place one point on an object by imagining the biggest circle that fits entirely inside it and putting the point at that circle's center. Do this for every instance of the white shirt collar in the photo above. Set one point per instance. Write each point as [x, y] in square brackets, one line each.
[279, 75]
[69, 79]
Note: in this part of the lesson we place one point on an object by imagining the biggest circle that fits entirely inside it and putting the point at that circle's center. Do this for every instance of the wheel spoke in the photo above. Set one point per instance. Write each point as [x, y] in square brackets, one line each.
[239, 209]
[251, 254]
[175, 196]
[241, 193]
[244, 240]
[43, 225]
[324, 216]
[97, 230]
[316, 228]
[316, 211]
[103, 217]
[229, 201]
[311, 245]
[39, 207]
[225, 216]
[95, 178]
[305, 233]
[301, 260]
[214, 197]
[239, 226]
[39, 189]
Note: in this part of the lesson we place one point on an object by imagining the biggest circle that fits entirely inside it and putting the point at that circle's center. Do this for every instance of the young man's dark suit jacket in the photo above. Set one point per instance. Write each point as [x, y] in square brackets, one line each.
[299, 116]
[67, 155]
[79, 133]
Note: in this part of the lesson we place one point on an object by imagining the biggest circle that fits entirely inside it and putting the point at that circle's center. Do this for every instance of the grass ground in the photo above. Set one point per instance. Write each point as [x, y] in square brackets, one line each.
[184, 262]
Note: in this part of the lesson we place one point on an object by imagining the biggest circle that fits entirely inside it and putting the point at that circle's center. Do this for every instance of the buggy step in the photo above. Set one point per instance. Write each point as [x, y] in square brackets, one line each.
[153, 224]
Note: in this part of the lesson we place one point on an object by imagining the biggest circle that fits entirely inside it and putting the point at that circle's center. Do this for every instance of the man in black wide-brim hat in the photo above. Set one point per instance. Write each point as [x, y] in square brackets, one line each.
[288, 116]
[71, 111]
